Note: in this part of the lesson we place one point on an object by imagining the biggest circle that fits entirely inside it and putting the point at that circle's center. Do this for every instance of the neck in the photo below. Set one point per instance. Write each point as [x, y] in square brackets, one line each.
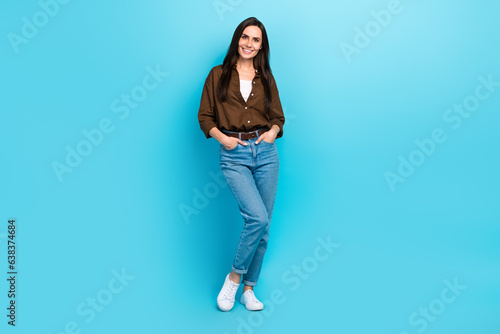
[245, 64]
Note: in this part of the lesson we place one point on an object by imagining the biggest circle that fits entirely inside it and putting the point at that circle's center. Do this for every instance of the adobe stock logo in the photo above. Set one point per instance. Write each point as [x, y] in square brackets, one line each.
[372, 29]
[201, 197]
[223, 6]
[294, 277]
[121, 106]
[426, 147]
[298, 273]
[40, 19]
[288, 116]
[429, 313]
[97, 303]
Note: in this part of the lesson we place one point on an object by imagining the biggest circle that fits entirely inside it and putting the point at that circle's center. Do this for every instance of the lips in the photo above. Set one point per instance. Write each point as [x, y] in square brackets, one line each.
[247, 51]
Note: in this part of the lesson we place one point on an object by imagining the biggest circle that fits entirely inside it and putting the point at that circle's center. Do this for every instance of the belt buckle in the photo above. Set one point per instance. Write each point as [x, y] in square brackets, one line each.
[249, 135]
[255, 133]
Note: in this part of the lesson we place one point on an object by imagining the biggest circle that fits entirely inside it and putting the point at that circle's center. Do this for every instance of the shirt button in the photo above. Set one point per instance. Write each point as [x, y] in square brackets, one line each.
[254, 82]
[248, 121]
[252, 94]
[246, 107]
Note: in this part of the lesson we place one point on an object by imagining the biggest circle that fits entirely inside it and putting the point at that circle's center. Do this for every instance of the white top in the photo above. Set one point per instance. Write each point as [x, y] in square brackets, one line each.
[245, 88]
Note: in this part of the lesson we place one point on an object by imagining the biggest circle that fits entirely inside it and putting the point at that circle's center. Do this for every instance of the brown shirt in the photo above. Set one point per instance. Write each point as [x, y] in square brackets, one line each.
[235, 114]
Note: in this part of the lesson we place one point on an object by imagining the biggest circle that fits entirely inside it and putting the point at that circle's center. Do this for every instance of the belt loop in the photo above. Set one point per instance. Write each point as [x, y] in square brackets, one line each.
[239, 135]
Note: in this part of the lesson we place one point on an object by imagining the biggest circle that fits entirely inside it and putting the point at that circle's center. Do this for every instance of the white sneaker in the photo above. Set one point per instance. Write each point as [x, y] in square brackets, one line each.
[250, 301]
[225, 300]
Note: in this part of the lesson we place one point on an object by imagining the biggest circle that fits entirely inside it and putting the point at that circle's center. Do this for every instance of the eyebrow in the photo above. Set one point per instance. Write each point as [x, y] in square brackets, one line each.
[249, 36]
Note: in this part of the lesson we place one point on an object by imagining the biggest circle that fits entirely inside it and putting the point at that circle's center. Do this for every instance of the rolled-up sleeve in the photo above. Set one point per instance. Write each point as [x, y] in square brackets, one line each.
[276, 115]
[206, 113]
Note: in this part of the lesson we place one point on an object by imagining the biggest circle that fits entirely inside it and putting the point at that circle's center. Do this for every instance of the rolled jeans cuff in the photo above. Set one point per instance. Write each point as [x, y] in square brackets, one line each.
[240, 271]
[245, 282]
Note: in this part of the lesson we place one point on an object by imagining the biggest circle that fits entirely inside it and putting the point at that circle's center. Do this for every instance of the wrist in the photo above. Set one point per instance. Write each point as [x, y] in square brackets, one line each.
[275, 129]
[223, 139]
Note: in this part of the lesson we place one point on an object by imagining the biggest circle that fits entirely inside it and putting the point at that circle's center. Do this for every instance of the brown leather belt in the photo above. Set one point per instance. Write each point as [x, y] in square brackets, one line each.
[245, 135]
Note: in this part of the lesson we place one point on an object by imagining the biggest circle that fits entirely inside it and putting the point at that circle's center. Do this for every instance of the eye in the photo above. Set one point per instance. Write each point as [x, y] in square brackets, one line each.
[244, 37]
[256, 40]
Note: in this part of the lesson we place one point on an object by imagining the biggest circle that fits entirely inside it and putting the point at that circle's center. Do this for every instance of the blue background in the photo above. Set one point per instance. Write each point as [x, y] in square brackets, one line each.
[347, 124]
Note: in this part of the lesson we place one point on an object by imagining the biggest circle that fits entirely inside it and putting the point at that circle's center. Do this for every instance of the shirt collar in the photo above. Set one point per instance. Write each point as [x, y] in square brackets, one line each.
[257, 73]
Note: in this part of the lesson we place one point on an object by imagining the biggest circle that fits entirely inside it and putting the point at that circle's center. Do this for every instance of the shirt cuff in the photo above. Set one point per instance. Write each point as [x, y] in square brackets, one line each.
[206, 127]
[278, 123]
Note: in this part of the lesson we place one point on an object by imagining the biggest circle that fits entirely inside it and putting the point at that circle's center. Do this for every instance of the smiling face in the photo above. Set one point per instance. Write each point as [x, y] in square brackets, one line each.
[250, 42]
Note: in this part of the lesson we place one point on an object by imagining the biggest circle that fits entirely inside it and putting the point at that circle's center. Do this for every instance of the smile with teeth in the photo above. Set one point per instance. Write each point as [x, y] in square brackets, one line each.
[247, 51]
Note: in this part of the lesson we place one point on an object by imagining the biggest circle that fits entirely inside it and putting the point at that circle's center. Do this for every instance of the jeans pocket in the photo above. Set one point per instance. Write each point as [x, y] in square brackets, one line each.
[225, 149]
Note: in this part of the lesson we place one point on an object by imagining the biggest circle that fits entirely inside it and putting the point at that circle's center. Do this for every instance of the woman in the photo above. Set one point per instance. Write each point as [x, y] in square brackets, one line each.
[240, 108]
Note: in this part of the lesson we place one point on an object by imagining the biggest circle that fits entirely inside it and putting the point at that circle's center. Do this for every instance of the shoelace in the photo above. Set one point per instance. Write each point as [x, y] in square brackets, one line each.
[231, 292]
[251, 297]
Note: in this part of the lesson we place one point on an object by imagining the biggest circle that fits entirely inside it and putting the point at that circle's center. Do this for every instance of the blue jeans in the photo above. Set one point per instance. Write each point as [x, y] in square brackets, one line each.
[252, 175]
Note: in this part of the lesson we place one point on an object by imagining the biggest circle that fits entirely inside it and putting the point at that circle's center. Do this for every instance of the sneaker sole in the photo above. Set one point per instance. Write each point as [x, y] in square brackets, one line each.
[249, 309]
[224, 309]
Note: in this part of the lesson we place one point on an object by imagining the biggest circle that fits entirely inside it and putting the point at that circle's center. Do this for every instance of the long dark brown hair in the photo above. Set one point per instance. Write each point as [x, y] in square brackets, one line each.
[260, 61]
